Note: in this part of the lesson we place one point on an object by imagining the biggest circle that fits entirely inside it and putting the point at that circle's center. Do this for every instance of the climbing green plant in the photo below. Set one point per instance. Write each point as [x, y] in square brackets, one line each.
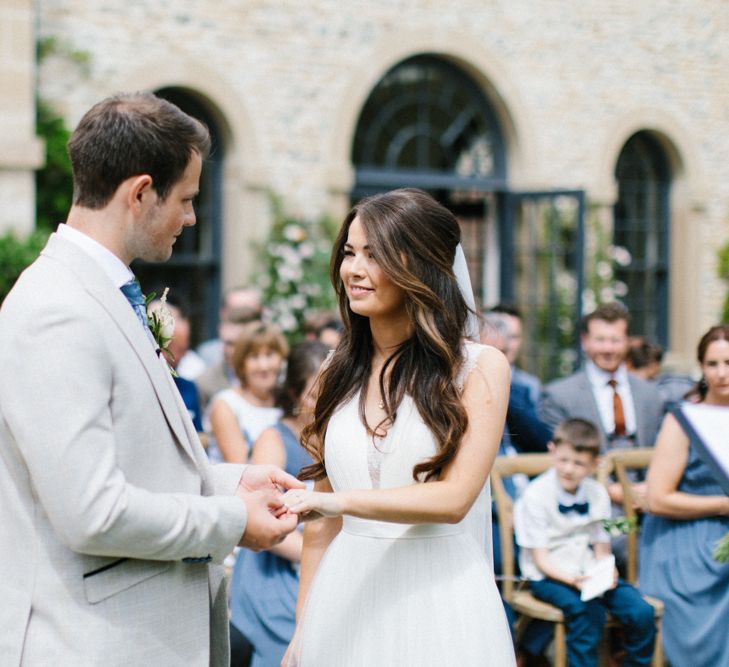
[293, 271]
[723, 270]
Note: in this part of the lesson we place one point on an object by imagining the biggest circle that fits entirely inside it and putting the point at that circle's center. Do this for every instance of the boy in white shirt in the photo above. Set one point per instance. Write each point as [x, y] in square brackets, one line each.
[558, 525]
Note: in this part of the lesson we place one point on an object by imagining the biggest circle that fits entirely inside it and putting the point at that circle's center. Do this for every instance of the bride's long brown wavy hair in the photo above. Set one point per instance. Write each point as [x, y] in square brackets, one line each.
[413, 239]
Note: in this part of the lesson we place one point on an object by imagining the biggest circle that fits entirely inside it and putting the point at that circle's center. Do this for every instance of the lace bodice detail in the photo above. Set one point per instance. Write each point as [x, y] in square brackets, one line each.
[387, 461]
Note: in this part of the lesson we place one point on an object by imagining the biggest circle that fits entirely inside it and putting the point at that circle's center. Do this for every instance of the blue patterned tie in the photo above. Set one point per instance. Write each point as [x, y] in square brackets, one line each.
[133, 291]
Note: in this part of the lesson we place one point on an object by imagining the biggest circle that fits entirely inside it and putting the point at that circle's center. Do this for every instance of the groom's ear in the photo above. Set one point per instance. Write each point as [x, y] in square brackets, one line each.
[139, 192]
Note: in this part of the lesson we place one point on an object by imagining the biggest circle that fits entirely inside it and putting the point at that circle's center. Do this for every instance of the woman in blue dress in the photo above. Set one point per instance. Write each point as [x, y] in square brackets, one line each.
[689, 515]
[265, 585]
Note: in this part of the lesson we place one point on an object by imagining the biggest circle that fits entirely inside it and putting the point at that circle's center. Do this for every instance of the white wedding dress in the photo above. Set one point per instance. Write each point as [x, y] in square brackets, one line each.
[401, 595]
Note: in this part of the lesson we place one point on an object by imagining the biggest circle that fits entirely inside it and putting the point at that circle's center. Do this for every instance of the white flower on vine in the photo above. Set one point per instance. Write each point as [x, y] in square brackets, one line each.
[604, 270]
[294, 233]
[307, 249]
[287, 321]
[620, 288]
[607, 294]
[290, 273]
[297, 301]
[620, 255]
[589, 302]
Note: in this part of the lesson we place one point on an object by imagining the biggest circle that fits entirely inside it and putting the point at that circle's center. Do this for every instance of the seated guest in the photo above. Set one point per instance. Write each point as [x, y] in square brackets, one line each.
[689, 514]
[525, 431]
[626, 409]
[644, 359]
[238, 415]
[265, 585]
[558, 528]
[514, 338]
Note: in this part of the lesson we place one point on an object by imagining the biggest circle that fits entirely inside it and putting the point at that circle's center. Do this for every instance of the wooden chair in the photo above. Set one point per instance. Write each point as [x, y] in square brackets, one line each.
[513, 590]
[621, 461]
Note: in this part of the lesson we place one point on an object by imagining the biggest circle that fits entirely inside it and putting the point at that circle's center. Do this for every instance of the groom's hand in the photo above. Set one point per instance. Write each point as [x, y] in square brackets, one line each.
[268, 521]
[262, 477]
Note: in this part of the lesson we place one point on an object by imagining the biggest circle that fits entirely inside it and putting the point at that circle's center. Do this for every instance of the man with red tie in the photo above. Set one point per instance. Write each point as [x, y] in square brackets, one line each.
[627, 409]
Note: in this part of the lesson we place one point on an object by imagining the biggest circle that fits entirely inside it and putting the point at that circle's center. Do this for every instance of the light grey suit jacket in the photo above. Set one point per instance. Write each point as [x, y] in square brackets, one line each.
[104, 487]
[573, 397]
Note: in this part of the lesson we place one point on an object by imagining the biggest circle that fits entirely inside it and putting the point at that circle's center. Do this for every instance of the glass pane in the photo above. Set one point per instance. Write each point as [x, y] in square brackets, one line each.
[641, 226]
[427, 115]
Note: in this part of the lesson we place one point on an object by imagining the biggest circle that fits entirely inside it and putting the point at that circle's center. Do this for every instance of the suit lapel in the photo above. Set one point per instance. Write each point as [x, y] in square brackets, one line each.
[588, 397]
[589, 404]
[111, 299]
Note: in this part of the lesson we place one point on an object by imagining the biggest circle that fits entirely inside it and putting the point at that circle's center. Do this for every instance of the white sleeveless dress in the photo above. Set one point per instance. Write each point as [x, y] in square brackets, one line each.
[400, 594]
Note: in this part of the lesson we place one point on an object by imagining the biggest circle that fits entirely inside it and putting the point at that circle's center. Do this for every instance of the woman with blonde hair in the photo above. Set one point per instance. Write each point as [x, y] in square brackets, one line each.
[238, 415]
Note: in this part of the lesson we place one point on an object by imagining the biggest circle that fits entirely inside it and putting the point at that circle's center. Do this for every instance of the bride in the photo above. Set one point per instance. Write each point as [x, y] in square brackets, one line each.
[406, 428]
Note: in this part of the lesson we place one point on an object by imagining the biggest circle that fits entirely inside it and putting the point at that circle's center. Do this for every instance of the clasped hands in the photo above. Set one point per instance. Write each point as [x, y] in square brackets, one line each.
[261, 488]
[276, 502]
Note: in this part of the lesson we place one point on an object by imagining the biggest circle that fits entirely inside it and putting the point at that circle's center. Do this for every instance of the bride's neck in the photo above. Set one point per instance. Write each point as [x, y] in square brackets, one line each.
[386, 338]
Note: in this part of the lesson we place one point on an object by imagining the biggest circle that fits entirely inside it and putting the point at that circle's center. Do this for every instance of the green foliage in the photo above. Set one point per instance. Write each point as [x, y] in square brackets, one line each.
[723, 271]
[293, 271]
[620, 525]
[15, 255]
[53, 46]
[721, 553]
[54, 182]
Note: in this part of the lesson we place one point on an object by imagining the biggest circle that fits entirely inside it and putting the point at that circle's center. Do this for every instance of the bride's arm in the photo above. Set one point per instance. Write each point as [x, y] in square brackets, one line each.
[447, 500]
[317, 537]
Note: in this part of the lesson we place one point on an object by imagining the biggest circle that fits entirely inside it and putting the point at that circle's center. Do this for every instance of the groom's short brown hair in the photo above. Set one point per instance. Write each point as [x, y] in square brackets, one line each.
[131, 134]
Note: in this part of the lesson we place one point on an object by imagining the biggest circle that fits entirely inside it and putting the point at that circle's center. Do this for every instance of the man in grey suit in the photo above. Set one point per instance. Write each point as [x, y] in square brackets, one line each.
[603, 388]
[113, 524]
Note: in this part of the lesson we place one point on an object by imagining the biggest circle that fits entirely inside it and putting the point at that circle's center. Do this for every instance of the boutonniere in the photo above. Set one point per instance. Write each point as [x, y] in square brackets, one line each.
[162, 326]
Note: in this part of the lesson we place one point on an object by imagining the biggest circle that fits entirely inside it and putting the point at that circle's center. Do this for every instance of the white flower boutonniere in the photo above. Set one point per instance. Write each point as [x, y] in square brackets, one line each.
[162, 325]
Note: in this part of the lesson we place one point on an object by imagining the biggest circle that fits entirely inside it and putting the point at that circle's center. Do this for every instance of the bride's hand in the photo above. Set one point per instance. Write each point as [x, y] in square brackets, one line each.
[315, 503]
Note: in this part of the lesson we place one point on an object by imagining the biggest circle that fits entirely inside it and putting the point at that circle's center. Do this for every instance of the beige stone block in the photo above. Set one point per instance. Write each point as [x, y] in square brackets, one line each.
[17, 193]
[28, 154]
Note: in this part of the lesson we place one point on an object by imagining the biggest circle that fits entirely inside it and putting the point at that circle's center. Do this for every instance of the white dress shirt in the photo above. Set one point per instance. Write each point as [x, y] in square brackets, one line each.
[603, 394]
[118, 272]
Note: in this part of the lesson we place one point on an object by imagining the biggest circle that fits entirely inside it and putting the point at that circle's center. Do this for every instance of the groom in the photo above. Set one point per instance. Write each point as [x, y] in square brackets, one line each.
[112, 523]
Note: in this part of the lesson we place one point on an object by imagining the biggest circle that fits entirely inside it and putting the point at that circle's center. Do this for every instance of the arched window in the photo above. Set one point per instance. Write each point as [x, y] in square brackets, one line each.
[642, 226]
[193, 271]
[427, 124]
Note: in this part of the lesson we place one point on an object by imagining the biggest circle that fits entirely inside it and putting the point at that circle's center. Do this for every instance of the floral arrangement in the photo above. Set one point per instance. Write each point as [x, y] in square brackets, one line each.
[294, 270]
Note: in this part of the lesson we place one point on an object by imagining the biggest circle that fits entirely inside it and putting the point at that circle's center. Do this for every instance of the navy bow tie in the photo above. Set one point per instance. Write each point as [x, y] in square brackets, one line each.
[580, 508]
[133, 292]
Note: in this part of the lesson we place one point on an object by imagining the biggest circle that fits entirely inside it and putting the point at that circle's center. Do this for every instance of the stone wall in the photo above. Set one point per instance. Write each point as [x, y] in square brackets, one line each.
[570, 79]
[20, 151]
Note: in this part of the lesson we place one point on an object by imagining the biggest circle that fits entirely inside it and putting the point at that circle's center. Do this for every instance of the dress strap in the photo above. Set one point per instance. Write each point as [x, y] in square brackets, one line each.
[471, 352]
